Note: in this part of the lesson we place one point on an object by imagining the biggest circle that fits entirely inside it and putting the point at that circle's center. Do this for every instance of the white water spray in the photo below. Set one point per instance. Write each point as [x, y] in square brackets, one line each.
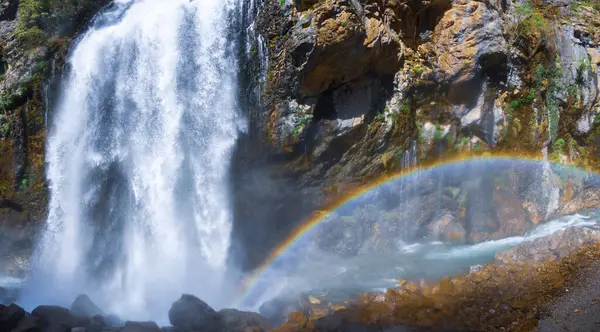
[139, 158]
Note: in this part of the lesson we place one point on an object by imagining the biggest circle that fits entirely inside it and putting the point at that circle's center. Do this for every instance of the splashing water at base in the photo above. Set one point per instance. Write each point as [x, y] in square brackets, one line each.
[138, 160]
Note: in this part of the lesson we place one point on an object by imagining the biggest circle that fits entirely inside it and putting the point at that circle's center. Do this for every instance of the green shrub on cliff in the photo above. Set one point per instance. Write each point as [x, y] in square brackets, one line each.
[303, 121]
[528, 21]
[597, 120]
[39, 20]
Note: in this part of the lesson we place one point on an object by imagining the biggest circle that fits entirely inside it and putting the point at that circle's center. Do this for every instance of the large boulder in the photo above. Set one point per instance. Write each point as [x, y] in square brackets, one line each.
[447, 228]
[10, 316]
[278, 310]
[29, 323]
[189, 313]
[512, 217]
[141, 327]
[240, 321]
[83, 307]
[55, 319]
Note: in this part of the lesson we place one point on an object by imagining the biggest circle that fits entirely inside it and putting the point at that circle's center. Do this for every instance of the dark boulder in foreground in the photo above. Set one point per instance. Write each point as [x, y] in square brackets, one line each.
[55, 319]
[10, 316]
[29, 323]
[240, 321]
[83, 307]
[189, 313]
[141, 327]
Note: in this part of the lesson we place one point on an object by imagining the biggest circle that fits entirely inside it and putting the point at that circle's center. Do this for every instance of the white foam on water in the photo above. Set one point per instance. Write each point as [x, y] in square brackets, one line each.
[492, 247]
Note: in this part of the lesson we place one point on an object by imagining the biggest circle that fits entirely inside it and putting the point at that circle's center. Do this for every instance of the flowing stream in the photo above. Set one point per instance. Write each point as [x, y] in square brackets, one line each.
[138, 160]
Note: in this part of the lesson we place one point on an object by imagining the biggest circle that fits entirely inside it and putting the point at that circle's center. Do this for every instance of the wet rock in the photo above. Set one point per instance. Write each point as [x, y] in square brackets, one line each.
[189, 313]
[511, 215]
[29, 323]
[586, 199]
[485, 118]
[55, 319]
[96, 324]
[83, 307]
[141, 327]
[448, 228]
[240, 321]
[278, 310]
[10, 316]
[550, 247]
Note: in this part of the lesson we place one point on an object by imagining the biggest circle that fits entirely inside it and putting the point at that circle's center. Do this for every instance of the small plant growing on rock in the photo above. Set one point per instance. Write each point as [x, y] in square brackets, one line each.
[437, 135]
[4, 126]
[584, 66]
[303, 121]
[597, 120]
[405, 107]
[559, 145]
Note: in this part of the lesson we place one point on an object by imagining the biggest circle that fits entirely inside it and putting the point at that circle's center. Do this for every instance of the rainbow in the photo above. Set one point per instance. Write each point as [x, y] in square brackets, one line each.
[249, 283]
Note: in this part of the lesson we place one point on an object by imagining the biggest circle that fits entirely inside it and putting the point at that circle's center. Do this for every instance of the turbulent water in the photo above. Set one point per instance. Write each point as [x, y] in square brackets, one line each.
[138, 160]
[339, 279]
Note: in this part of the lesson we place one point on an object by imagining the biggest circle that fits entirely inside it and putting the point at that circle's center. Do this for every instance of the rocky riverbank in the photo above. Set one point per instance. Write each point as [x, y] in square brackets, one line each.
[511, 297]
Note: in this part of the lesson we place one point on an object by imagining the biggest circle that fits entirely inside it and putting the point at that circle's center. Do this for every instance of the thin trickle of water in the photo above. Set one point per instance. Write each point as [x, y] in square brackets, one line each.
[550, 191]
[138, 160]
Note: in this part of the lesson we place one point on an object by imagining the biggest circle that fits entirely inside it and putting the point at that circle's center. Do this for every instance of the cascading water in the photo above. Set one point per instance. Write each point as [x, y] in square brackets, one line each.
[138, 160]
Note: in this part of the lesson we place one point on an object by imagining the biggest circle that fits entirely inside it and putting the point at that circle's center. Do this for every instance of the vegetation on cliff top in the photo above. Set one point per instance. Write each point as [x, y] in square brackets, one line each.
[41, 20]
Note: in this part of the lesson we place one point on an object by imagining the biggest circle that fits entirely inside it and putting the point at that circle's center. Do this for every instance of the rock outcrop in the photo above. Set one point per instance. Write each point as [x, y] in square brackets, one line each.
[190, 313]
[351, 90]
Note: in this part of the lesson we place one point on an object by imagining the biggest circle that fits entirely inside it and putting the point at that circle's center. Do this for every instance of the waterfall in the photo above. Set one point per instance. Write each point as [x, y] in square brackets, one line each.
[138, 160]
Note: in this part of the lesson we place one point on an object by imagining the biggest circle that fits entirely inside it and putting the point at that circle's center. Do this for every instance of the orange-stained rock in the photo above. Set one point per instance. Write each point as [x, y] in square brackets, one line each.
[510, 213]
[448, 228]
[468, 35]
[586, 199]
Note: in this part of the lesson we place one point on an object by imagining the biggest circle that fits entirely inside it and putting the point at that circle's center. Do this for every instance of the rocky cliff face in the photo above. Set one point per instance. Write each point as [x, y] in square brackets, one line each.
[34, 40]
[358, 88]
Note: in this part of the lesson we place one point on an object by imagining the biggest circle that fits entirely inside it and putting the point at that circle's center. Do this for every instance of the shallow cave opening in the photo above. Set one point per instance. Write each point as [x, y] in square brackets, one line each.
[325, 108]
[494, 67]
